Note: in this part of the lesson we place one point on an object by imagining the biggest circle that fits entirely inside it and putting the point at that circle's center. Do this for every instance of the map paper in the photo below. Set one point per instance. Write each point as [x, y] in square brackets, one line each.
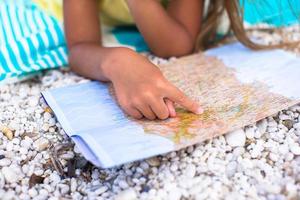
[235, 86]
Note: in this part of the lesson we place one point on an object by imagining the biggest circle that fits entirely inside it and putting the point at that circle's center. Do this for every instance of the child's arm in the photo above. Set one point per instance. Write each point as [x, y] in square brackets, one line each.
[170, 32]
[140, 87]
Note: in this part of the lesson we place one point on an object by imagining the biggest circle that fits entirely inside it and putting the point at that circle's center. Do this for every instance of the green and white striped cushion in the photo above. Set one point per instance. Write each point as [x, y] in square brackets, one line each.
[30, 40]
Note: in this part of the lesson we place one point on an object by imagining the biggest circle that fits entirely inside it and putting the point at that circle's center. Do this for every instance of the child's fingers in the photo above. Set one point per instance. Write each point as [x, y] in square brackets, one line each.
[170, 106]
[179, 97]
[160, 108]
[133, 113]
[146, 111]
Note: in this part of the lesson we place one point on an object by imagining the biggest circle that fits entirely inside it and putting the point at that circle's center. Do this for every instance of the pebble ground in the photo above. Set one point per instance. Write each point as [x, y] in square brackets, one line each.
[38, 161]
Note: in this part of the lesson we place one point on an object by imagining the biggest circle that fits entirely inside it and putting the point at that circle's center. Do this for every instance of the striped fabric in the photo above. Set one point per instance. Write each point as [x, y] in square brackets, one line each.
[30, 40]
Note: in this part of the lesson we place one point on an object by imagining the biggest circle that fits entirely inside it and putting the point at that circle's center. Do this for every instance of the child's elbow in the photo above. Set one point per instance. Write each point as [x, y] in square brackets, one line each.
[178, 48]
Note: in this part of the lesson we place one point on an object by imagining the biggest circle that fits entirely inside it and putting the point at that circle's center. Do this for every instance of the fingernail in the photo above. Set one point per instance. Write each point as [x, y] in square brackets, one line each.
[199, 111]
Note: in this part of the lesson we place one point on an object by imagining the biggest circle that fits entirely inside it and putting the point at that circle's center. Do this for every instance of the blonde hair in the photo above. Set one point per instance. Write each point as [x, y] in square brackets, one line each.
[207, 36]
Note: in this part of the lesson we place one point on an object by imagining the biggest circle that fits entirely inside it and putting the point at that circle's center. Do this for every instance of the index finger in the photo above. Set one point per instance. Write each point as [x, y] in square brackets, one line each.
[179, 97]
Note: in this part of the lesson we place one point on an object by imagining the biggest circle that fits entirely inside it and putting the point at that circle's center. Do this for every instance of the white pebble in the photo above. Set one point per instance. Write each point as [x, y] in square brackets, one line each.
[128, 194]
[123, 184]
[26, 143]
[250, 131]
[295, 149]
[33, 101]
[32, 192]
[273, 157]
[45, 127]
[54, 178]
[236, 138]
[283, 149]
[11, 174]
[262, 126]
[16, 141]
[41, 143]
[47, 116]
[284, 117]
[190, 171]
[297, 125]
[23, 150]
[101, 190]
[43, 192]
[73, 185]
[5, 162]
[231, 168]
[175, 194]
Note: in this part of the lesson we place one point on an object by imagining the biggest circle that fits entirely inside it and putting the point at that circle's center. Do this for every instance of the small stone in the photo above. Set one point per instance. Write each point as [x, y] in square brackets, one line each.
[5, 162]
[41, 143]
[256, 152]
[23, 150]
[101, 190]
[238, 151]
[33, 102]
[73, 185]
[39, 172]
[273, 157]
[14, 125]
[16, 141]
[272, 188]
[7, 132]
[45, 127]
[231, 168]
[54, 178]
[153, 162]
[236, 138]
[262, 126]
[295, 149]
[250, 131]
[174, 167]
[289, 156]
[190, 171]
[26, 143]
[144, 165]
[175, 194]
[9, 146]
[258, 134]
[123, 184]
[146, 188]
[32, 192]
[283, 149]
[288, 123]
[24, 196]
[297, 125]
[68, 155]
[47, 116]
[48, 109]
[43, 192]
[11, 174]
[64, 189]
[291, 189]
[284, 117]
[51, 122]
[128, 194]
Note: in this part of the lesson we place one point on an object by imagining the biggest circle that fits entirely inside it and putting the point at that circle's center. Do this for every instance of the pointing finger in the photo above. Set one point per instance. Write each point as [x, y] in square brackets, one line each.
[179, 97]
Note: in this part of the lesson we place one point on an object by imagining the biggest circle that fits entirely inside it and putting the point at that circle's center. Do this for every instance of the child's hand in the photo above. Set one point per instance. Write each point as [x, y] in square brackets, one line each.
[141, 88]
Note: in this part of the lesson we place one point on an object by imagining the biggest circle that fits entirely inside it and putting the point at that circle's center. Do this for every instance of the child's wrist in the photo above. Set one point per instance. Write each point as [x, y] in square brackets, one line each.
[114, 61]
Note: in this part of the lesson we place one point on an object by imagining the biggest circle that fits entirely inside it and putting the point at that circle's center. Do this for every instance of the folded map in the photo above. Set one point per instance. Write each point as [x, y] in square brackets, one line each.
[236, 87]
